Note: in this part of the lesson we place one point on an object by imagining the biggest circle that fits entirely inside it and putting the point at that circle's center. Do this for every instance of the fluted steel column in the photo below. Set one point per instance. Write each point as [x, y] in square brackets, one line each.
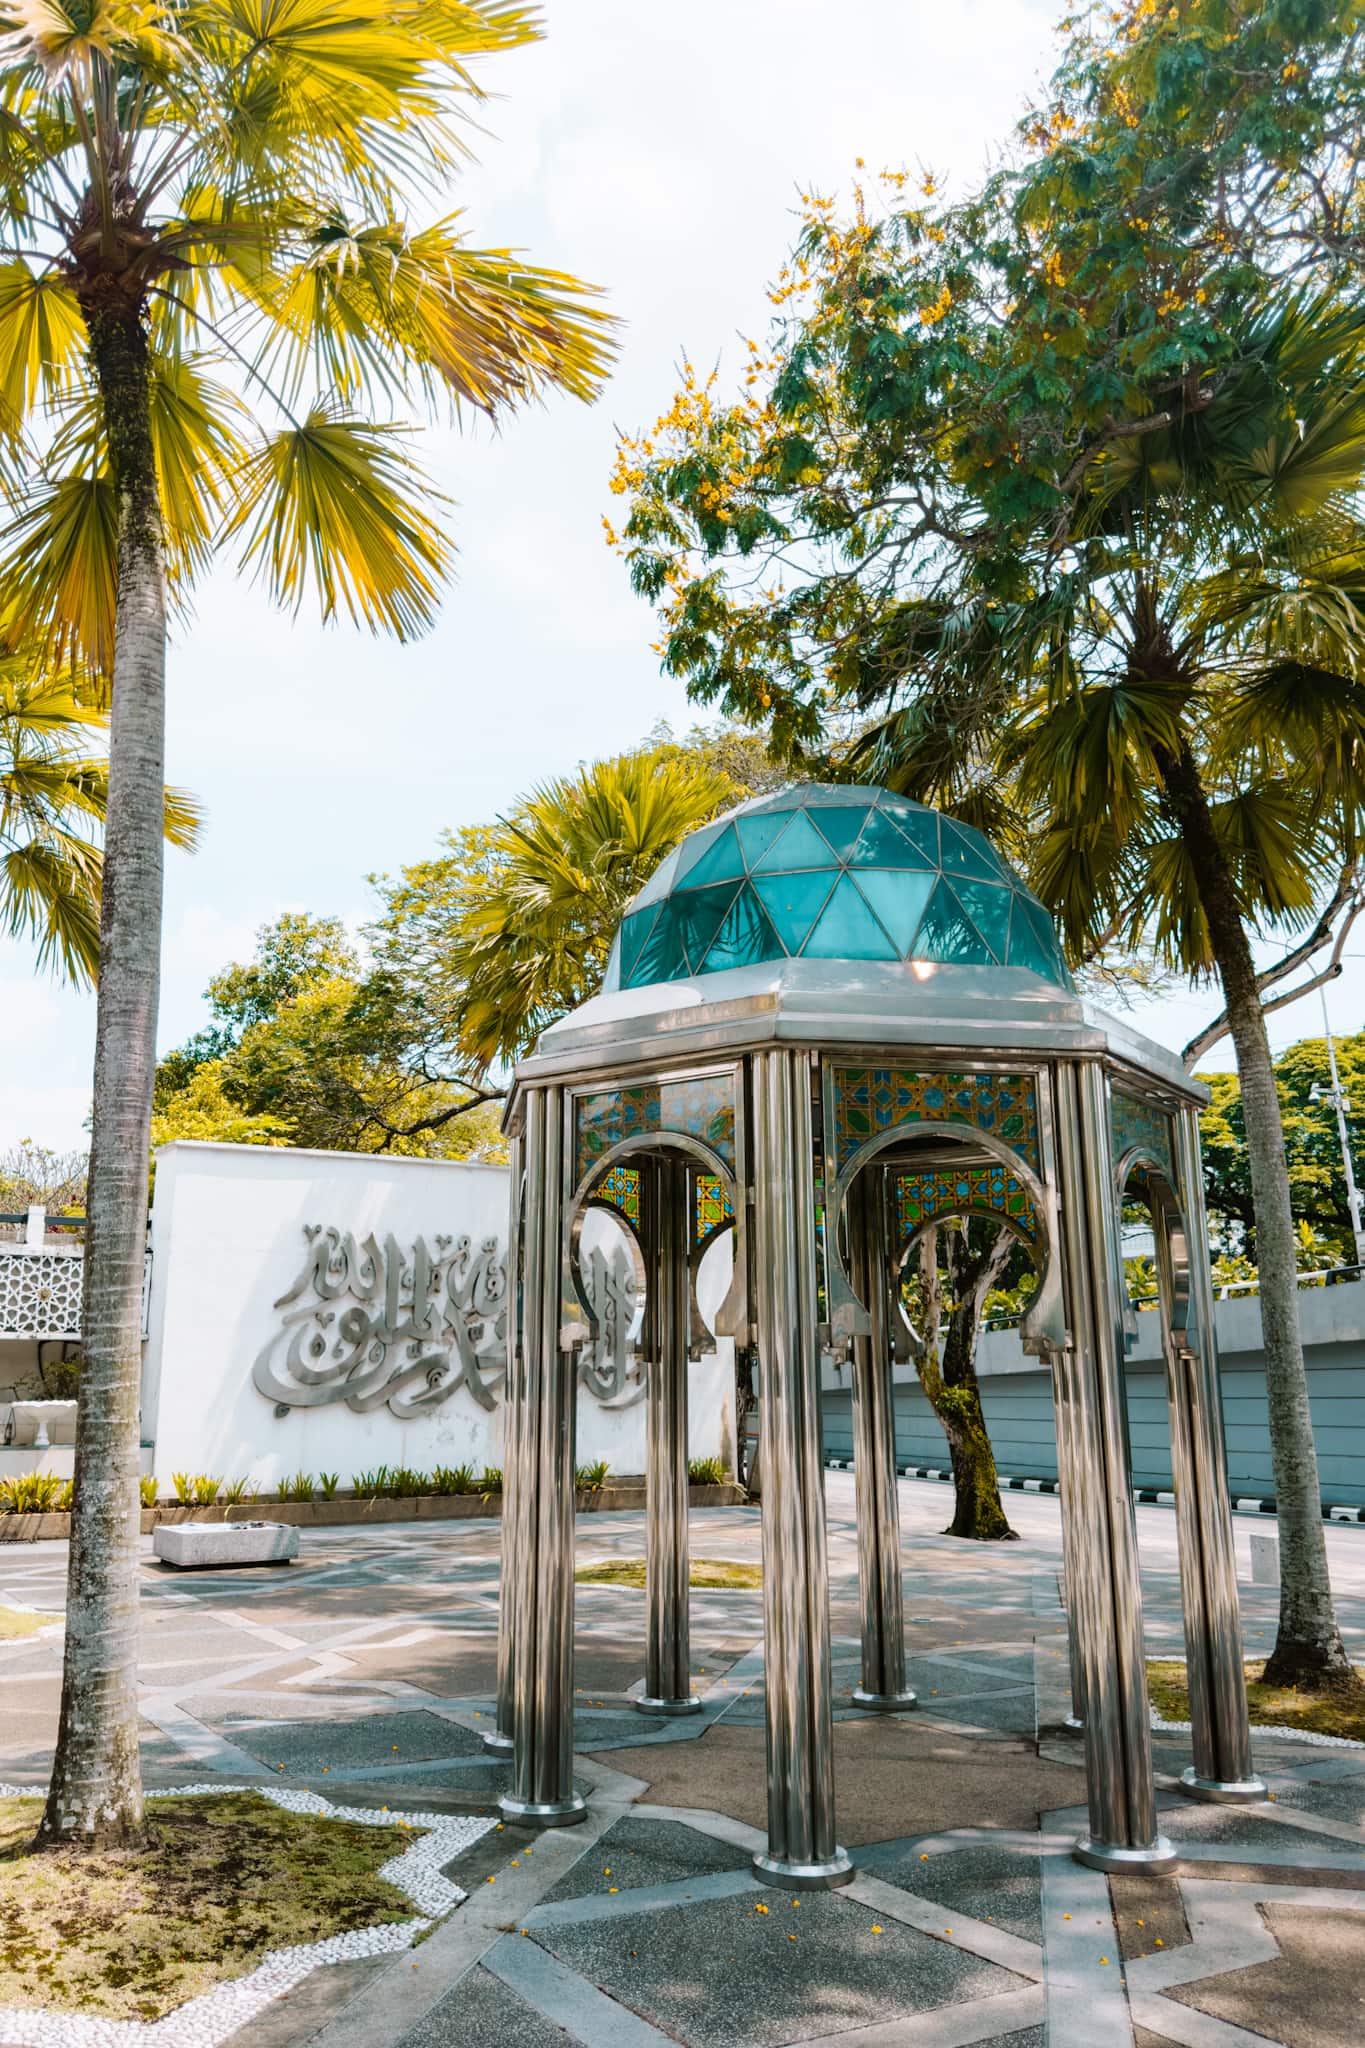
[498, 1740]
[802, 1850]
[1071, 1430]
[668, 1674]
[1220, 1727]
[874, 1455]
[1103, 1585]
[542, 1792]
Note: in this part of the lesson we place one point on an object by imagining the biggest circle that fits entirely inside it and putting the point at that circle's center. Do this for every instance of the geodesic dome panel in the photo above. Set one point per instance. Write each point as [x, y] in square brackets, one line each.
[832, 872]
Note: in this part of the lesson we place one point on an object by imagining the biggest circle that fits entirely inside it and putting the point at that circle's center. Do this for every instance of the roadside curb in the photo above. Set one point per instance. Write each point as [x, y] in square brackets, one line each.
[1240, 1503]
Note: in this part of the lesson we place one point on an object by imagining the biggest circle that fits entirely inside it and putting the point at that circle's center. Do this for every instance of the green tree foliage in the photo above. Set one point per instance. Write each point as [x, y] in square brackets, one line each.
[227, 293]
[32, 1173]
[1064, 481]
[54, 793]
[308, 1047]
[511, 926]
[1312, 1146]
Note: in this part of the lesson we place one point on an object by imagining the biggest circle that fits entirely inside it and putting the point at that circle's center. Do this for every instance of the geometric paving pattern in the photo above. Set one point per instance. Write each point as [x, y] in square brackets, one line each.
[367, 1669]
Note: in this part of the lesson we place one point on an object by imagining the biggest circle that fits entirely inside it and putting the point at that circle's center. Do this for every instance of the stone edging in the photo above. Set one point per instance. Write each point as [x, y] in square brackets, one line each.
[1240, 1503]
[334, 1514]
[211, 2018]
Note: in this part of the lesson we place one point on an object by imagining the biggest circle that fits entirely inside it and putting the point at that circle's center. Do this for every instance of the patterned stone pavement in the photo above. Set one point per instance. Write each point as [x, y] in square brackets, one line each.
[366, 1671]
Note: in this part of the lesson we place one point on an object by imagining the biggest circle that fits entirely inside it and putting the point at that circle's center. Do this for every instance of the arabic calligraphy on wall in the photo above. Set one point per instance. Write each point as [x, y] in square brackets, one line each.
[383, 1325]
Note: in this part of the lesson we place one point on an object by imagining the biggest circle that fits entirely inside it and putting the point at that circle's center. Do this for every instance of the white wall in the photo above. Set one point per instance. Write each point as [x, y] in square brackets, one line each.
[228, 1226]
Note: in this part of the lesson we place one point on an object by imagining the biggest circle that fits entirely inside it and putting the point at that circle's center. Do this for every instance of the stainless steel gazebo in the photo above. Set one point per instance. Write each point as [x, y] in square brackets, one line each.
[832, 1019]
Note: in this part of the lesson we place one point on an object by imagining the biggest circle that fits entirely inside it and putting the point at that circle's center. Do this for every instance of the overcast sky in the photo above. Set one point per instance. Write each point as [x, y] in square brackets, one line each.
[658, 152]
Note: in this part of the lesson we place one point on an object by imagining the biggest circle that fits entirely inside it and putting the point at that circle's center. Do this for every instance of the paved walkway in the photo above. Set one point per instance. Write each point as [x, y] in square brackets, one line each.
[367, 1671]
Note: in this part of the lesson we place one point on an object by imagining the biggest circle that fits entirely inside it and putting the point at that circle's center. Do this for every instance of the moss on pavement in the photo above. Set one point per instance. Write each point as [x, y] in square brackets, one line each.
[704, 1571]
[14, 1622]
[1271, 1706]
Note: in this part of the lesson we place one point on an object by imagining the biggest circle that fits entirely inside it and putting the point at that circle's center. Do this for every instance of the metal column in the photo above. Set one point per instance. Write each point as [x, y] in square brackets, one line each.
[668, 1677]
[1104, 1596]
[874, 1455]
[1220, 1726]
[802, 1850]
[542, 1792]
[498, 1740]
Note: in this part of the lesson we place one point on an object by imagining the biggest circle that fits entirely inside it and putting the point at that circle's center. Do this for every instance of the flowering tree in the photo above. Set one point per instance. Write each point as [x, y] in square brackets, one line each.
[1057, 489]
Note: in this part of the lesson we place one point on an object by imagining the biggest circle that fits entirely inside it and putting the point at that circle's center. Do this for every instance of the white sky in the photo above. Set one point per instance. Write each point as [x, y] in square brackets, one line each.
[656, 151]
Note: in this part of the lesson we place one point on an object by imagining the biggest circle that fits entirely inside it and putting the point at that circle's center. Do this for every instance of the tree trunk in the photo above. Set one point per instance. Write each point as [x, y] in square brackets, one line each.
[954, 1392]
[1308, 1648]
[95, 1797]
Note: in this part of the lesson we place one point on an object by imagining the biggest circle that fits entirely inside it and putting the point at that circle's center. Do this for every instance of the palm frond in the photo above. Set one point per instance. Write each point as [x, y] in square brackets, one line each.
[42, 338]
[59, 570]
[371, 308]
[338, 504]
[49, 892]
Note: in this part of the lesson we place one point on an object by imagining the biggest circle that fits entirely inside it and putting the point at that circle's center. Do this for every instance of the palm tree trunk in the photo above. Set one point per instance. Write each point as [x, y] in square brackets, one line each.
[95, 1797]
[1308, 1648]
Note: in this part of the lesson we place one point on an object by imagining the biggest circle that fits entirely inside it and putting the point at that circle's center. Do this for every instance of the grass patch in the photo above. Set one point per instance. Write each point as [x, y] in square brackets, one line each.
[223, 1880]
[14, 1623]
[704, 1571]
[1271, 1706]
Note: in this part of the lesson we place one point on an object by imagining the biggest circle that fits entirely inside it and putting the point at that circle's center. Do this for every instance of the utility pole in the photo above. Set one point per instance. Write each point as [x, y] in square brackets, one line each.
[1341, 1103]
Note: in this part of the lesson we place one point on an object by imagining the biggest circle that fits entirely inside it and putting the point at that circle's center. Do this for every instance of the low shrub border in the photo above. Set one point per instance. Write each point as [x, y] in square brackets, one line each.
[332, 1514]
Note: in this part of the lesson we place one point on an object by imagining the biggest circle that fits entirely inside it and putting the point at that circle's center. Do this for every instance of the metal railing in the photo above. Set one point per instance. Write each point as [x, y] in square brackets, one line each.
[1225, 1290]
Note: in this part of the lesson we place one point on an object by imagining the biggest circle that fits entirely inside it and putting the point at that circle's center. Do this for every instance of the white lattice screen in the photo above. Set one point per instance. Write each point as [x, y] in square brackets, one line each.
[40, 1294]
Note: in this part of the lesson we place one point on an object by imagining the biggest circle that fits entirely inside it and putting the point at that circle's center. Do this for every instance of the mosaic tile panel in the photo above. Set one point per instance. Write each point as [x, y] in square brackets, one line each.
[921, 1197]
[619, 1188]
[870, 1100]
[702, 1107]
[1135, 1125]
[712, 1206]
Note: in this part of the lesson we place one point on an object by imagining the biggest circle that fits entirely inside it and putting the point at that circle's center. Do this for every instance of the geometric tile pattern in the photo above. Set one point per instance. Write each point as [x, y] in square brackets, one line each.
[702, 1107]
[712, 1205]
[832, 872]
[921, 1197]
[1137, 1126]
[621, 1943]
[870, 1100]
[619, 1188]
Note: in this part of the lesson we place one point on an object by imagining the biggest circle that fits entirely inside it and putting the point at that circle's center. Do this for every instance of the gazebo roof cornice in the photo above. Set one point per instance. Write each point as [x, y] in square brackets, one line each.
[961, 1011]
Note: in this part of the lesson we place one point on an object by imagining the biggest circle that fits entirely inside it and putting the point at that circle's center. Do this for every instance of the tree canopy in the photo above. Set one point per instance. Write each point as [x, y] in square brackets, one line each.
[1312, 1144]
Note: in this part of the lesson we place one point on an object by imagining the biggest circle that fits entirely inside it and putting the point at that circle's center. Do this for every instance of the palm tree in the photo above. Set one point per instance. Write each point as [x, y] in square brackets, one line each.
[1190, 758]
[53, 798]
[527, 931]
[249, 190]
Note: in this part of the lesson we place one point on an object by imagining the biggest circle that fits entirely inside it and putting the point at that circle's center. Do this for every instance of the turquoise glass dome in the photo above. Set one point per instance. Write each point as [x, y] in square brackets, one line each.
[828, 871]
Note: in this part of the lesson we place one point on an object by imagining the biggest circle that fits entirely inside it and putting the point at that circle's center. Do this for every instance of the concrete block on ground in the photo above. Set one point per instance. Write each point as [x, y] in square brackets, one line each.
[1265, 1560]
[194, 1545]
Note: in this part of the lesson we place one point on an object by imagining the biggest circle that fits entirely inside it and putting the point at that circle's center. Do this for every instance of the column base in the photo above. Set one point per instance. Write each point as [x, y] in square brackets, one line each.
[805, 1877]
[648, 1704]
[1222, 1791]
[547, 1813]
[885, 1702]
[498, 1744]
[1151, 1859]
